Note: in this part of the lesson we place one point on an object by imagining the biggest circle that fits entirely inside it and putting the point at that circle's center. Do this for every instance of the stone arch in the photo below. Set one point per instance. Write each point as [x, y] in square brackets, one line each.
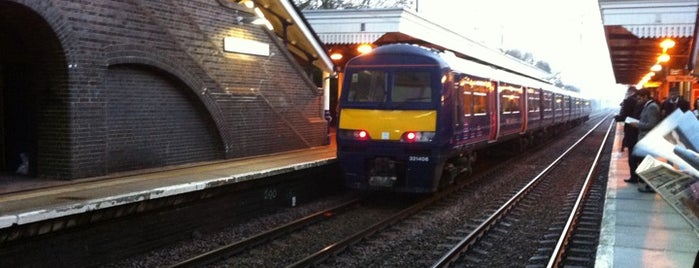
[152, 119]
[136, 54]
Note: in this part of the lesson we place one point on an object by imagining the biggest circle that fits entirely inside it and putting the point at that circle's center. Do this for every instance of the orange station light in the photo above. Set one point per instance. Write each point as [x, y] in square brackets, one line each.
[364, 48]
[336, 56]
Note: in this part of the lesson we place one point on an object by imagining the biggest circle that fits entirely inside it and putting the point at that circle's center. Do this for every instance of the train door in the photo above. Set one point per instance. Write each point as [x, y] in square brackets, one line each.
[547, 107]
[558, 108]
[567, 108]
[534, 114]
[476, 94]
[575, 113]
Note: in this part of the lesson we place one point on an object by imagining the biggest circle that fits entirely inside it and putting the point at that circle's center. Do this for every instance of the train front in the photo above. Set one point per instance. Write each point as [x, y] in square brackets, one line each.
[389, 117]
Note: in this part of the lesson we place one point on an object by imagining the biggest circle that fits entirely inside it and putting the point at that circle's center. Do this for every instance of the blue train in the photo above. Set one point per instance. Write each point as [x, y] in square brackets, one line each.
[411, 119]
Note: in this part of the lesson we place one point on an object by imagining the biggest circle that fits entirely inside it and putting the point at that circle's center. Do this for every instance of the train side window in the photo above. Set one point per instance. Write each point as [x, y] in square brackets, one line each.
[558, 103]
[547, 101]
[467, 99]
[534, 100]
[480, 97]
[510, 99]
[367, 86]
[411, 87]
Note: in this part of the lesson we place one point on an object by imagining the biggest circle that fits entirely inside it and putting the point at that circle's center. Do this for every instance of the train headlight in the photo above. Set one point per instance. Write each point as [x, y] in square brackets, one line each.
[417, 136]
[354, 134]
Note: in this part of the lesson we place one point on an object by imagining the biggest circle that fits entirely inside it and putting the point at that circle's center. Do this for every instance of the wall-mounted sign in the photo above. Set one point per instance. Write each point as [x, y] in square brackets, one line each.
[239, 45]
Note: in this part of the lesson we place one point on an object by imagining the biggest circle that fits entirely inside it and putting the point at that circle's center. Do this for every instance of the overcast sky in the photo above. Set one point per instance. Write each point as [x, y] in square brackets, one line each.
[567, 34]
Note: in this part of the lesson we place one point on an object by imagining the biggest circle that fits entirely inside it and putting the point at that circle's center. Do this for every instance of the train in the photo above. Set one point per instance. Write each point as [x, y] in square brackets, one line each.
[411, 119]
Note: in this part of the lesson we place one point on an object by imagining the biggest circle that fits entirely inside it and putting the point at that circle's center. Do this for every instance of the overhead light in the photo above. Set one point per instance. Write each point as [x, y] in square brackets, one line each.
[656, 68]
[364, 48]
[249, 4]
[246, 3]
[667, 43]
[664, 57]
[240, 45]
[262, 19]
[336, 56]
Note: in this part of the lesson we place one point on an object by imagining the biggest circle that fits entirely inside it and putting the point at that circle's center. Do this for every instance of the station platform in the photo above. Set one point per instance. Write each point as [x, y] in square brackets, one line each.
[641, 229]
[34, 200]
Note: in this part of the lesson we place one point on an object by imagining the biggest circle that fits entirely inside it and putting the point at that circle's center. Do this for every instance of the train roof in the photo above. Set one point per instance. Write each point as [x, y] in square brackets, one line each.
[490, 72]
[447, 59]
[417, 55]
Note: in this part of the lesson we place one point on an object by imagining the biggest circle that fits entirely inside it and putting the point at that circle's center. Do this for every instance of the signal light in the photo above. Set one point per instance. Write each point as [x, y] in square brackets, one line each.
[361, 134]
[410, 136]
[417, 136]
[353, 134]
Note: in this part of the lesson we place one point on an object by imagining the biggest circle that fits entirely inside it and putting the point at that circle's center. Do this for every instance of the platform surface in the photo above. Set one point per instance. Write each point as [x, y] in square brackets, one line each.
[22, 204]
[641, 229]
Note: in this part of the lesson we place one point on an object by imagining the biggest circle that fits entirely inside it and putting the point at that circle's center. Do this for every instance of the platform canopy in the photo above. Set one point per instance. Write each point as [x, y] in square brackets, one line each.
[344, 30]
[634, 30]
[287, 22]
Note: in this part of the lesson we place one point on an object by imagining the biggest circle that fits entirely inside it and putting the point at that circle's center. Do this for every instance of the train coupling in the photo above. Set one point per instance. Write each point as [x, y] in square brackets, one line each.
[382, 172]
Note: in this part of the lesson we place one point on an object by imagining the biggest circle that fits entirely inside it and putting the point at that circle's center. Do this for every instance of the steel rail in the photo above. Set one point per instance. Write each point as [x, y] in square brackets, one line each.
[464, 244]
[234, 248]
[559, 249]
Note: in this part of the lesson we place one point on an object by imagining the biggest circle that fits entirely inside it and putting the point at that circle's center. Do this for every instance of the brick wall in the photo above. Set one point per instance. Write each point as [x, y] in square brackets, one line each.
[142, 84]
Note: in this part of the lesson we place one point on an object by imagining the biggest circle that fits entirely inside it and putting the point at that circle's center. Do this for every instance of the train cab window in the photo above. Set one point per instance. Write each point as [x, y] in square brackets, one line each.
[411, 87]
[367, 86]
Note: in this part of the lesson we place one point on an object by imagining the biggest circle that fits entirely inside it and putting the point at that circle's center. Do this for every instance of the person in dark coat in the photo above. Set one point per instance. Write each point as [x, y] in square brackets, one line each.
[673, 101]
[628, 108]
[648, 119]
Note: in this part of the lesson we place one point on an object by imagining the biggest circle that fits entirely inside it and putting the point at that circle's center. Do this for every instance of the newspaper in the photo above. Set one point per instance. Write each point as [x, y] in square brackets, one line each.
[630, 120]
[671, 163]
[678, 189]
[675, 139]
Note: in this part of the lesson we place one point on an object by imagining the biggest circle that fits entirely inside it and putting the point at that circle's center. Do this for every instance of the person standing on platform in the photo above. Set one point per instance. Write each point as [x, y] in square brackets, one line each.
[673, 101]
[696, 108]
[649, 118]
[628, 108]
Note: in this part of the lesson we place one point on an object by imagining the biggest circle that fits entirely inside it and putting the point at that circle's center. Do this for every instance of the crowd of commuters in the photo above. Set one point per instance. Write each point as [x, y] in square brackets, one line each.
[646, 113]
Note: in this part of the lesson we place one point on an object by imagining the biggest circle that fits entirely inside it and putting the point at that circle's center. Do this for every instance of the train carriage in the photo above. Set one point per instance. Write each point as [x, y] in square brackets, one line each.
[411, 119]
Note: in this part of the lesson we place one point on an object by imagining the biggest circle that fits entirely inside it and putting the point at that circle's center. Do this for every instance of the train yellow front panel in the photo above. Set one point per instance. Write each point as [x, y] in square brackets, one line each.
[388, 125]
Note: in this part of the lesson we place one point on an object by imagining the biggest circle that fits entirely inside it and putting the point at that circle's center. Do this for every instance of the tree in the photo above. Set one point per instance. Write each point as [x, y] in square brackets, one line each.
[543, 65]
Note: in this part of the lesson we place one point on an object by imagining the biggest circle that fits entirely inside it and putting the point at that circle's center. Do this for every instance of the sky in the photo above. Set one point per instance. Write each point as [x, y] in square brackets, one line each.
[567, 34]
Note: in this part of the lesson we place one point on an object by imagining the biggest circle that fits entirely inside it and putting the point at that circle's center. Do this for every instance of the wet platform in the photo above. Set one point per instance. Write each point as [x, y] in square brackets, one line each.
[641, 229]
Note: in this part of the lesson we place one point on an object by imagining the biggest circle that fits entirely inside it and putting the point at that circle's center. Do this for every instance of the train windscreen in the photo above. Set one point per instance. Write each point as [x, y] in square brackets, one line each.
[405, 86]
[367, 86]
[411, 87]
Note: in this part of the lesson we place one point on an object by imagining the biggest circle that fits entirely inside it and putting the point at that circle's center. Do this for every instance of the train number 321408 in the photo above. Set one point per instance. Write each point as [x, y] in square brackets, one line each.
[418, 158]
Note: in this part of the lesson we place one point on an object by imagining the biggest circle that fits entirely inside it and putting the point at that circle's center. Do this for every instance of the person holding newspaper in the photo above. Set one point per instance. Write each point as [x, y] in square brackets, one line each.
[648, 119]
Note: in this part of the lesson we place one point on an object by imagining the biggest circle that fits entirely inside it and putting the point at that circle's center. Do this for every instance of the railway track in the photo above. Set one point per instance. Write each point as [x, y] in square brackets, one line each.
[478, 247]
[397, 231]
[373, 231]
